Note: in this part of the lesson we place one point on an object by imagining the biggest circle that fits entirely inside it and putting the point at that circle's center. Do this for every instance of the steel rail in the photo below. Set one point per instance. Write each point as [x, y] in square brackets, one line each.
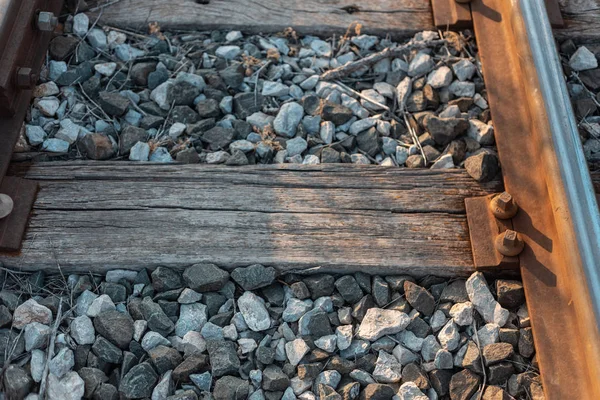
[544, 169]
[571, 191]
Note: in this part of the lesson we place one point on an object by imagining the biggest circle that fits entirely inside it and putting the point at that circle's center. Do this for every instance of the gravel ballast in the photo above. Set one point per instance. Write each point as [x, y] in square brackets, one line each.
[202, 332]
[228, 98]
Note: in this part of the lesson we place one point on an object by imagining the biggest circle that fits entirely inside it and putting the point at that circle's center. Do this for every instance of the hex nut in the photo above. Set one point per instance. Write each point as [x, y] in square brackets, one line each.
[26, 79]
[504, 206]
[509, 243]
[46, 21]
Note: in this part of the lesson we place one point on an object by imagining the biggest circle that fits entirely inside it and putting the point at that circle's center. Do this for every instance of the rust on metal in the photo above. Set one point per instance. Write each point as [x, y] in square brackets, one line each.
[509, 243]
[12, 227]
[566, 338]
[504, 206]
[554, 13]
[484, 228]
[451, 14]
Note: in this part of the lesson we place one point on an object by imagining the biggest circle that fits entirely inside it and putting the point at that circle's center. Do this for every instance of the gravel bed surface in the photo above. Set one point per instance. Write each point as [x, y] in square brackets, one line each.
[223, 97]
[583, 81]
[203, 333]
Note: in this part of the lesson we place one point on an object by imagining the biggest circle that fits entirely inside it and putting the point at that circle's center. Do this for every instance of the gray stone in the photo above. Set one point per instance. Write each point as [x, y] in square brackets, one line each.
[192, 318]
[462, 313]
[583, 59]
[254, 277]
[113, 103]
[139, 152]
[430, 348]
[288, 119]
[464, 69]
[139, 381]
[387, 368]
[449, 336]
[205, 277]
[296, 350]
[62, 362]
[232, 388]
[100, 304]
[152, 340]
[36, 336]
[35, 135]
[421, 64]
[254, 311]
[419, 298]
[228, 52]
[223, 358]
[349, 289]
[315, 322]
[37, 364]
[69, 387]
[295, 309]
[484, 301]
[410, 391]
[296, 146]
[17, 384]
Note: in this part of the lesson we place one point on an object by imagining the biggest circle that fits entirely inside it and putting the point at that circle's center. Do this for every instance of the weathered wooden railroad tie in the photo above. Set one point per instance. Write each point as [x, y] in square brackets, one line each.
[540, 219]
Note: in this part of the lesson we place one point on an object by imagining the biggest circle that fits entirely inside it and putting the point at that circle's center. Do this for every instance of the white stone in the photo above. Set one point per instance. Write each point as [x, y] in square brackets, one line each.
[247, 345]
[81, 24]
[403, 91]
[385, 89]
[218, 157]
[327, 131]
[311, 159]
[449, 336]
[362, 125]
[48, 106]
[421, 64]
[46, 90]
[462, 89]
[164, 388]
[379, 322]
[101, 304]
[451, 112]
[360, 159]
[82, 330]
[372, 100]
[462, 313]
[69, 131]
[139, 152]
[344, 336]
[464, 69]
[228, 52]
[300, 386]
[233, 36]
[583, 59]
[480, 101]
[440, 77]
[189, 296]
[176, 130]
[83, 302]
[488, 334]
[226, 105]
[139, 328]
[127, 53]
[254, 311]
[160, 95]
[481, 132]
[410, 391]
[35, 134]
[153, 339]
[327, 343]
[70, 387]
[444, 162]
[97, 39]
[62, 362]
[484, 301]
[387, 368]
[275, 89]
[37, 364]
[288, 119]
[296, 350]
[193, 343]
[106, 69]
[321, 48]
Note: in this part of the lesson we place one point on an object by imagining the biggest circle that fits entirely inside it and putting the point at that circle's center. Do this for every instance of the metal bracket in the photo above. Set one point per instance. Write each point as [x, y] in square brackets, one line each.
[484, 229]
[12, 227]
[453, 14]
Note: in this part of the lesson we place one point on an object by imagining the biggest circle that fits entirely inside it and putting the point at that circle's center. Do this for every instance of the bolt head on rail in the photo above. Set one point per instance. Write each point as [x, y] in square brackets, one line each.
[504, 206]
[6, 205]
[509, 243]
[26, 79]
[46, 21]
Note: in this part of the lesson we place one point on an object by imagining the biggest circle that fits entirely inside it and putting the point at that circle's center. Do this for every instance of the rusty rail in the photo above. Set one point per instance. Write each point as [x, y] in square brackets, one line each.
[545, 170]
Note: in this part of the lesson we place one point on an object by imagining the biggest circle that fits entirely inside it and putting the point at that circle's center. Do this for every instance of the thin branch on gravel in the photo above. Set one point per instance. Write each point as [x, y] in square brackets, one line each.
[395, 52]
[484, 383]
[50, 354]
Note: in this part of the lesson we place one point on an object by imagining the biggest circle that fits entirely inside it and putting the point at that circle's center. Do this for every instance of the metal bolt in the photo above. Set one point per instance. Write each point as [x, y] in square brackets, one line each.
[6, 205]
[504, 206]
[26, 79]
[509, 243]
[46, 21]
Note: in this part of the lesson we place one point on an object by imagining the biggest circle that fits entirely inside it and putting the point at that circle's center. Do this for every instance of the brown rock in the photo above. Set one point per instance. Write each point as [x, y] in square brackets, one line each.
[140, 71]
[526, 347]
[96, 146]
[194, 364]
[510, 293]
[129, 137]
[497, 352]
[463, 385]
[472, 358]
[413, 373]
[496, 393]
[62, 47]
[444, 130]
[440, 381]
[415, 161]
[499, 373]
[377, 391]
[482, 167]
[419, 298]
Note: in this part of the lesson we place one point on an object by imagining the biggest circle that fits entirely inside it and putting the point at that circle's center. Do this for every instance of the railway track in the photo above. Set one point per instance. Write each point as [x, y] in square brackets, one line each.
[545, 227]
